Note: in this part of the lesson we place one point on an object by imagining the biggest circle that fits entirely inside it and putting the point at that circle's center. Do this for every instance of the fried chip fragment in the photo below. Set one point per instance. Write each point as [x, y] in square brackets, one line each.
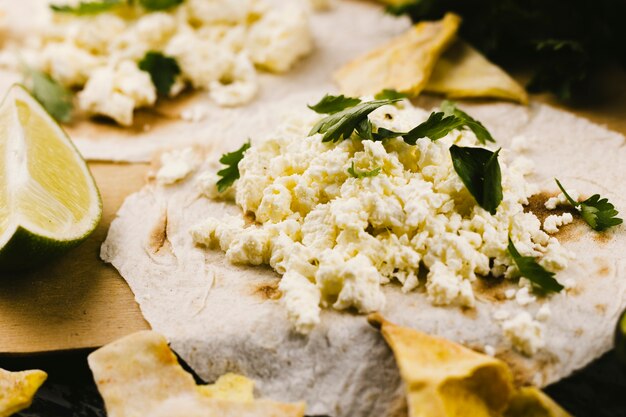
[404, 64]
[531, 402]
[463, 72]
[17, 390]
[443, 378]
[139, 375]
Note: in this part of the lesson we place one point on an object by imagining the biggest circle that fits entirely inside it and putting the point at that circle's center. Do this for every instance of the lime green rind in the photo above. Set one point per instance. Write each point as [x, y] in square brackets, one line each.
[26, 251]
[620, 338]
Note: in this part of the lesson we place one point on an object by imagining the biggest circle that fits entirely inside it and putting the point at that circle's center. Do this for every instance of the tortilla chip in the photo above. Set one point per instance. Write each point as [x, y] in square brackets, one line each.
[139, 375]
[463, 72]
[531, 402]
[443, 378]
[17, 390]
[404, 64]
[230, 387]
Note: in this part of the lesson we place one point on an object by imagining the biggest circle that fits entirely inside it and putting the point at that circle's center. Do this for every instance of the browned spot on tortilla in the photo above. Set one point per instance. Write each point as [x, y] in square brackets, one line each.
[602, 237]
[536, 205]
[601, 308]
[158, 235]
[469, 312]
[269, 291]
[524, 369]
[579, 332]
[575, 290]
[490, 288]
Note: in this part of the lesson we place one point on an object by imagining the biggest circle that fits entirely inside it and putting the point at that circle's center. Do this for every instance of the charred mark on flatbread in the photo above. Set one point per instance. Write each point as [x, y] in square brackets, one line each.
[602, 237]
[536, 206]
[604, 267]
[601, 309]
[490, 288]
[524, 369]
[158, 236]
[269, 291]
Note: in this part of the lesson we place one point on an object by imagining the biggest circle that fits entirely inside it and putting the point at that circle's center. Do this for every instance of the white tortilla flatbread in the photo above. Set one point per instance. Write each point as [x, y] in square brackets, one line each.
[348, 29]
[222, 318]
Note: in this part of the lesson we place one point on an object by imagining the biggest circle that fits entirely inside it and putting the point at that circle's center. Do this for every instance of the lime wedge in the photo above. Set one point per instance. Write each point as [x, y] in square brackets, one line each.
[49, 202]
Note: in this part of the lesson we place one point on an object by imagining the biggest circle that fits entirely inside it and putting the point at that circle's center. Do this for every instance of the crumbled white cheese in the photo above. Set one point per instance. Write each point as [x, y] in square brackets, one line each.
[560, 200]
[552, 223]
[176, 165]
[218, 45]
[489, 350]
[501, 314]
[348, 236]
[544, 313]
[194, 114]
[510, 293]
[523, 297]
[524, 333]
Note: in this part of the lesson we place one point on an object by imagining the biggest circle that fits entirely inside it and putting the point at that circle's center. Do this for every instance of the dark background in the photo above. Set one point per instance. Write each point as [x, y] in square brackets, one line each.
[599, 390]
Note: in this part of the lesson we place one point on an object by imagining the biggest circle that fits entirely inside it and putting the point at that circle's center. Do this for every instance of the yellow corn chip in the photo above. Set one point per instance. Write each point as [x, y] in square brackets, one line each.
[443, 378]
[139, 375]
[531, 402]
[404, 64]
[230, 387]
[17, 390]
[462, 72]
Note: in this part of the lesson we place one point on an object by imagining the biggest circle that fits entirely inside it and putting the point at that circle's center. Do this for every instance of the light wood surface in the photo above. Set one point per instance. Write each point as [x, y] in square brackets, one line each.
[79, 302]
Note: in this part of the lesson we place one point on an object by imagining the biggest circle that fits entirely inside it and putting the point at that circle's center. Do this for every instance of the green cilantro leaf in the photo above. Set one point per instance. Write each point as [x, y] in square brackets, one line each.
[437, 126]
[482, 134]
[334, 104]
[87, 7]
[231, 173]
[341, 125]
[535, 273]
[159, 4]
[55, 98]
[388, 94]
[596, 211]
[480, 172]
[363, 174]
[162, 69]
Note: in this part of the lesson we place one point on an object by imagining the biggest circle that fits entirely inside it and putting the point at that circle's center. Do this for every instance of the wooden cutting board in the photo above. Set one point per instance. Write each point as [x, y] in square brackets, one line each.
[79, 302]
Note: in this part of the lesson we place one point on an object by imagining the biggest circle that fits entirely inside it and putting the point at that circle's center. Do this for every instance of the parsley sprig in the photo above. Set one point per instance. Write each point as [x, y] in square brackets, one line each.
[330, 104]
[85, 8]
[596, 211]
[231, 173]
[479, 170]
[55, 98]
[340, 125]
[535, 273]
[363, 174]
[163, 70]
[388, 94]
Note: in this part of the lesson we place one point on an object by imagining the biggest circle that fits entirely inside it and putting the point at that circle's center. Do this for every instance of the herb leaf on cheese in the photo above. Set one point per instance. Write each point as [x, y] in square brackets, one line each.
[163, 70]
[480, 172]
[159, 4]
[87, 7]
[435, 127]
[535, 273]
[362, 174]
[388, 94]
[482, 134]
[333, 104]
[341, 125]
[231, 173]
[55, 98]
[598, 212]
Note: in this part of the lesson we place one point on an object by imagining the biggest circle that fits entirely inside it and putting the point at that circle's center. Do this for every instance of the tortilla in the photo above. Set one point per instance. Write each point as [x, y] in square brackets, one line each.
[404, 64]
[17, 390]
[529, 401]
[463, 72]
[220, 317]
[139, 375]
[338, 36]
